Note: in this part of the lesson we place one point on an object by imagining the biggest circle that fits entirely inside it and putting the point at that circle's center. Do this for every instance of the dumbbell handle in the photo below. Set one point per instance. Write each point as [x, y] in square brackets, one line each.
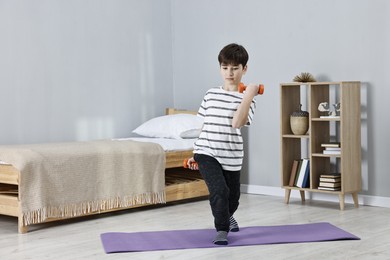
[185, 163]
[242, 87]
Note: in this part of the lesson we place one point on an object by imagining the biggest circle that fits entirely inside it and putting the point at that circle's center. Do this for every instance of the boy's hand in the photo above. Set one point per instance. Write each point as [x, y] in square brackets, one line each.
[192, 164]
[252, 89]
[240, 117]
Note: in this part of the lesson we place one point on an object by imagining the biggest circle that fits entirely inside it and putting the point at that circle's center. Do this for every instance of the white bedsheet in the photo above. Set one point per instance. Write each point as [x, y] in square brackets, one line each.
[166, 143]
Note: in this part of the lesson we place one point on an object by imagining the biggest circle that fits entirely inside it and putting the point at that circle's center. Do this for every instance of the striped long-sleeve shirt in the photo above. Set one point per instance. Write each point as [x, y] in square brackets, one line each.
[218, 138]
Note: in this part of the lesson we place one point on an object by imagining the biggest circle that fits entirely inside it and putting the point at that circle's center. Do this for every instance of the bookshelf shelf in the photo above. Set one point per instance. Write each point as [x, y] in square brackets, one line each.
[296, 188]
[326, 119]
[343, 129]
[325, 155]
[326, 191]
[295, 136]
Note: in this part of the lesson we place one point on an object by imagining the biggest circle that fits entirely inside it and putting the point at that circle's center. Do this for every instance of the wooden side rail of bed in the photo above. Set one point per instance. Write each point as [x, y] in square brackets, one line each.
[180, 184]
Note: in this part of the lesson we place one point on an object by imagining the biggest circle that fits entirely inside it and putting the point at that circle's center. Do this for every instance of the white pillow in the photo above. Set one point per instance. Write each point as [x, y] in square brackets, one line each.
[171, 126]
[191, 134]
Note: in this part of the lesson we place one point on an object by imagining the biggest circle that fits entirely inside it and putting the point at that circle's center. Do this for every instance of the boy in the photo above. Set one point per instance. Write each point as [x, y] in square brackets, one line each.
[219, 148]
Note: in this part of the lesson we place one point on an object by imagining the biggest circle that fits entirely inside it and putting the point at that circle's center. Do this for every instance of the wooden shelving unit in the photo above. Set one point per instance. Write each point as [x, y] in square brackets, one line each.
[344, 129]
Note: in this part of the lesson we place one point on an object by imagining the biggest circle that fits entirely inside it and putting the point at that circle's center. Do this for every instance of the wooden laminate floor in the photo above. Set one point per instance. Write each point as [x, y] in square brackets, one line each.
[79, 238]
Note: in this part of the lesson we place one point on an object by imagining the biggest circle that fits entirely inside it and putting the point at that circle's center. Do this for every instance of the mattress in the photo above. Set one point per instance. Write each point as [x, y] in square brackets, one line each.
[167, 144]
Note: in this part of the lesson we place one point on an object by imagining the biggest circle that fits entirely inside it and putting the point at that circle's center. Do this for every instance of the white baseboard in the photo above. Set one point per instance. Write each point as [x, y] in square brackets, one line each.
[366, 200]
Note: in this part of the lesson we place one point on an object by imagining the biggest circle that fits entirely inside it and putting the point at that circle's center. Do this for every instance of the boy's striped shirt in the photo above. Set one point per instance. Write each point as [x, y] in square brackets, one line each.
[218, 138]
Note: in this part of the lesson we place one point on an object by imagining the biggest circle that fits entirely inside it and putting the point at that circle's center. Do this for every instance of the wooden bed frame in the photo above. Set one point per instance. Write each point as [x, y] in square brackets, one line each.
[180, 184]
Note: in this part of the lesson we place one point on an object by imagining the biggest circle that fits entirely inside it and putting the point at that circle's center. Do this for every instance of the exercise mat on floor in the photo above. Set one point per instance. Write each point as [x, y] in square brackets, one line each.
[115, 242]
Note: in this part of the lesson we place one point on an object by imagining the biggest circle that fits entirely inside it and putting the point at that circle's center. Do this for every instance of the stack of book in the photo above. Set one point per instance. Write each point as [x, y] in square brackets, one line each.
[300, 174]
[331, 148]
[330, 182]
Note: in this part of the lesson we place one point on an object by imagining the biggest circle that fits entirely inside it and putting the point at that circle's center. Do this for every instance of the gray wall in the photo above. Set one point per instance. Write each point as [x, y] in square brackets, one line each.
[81, 70]
[334, 40]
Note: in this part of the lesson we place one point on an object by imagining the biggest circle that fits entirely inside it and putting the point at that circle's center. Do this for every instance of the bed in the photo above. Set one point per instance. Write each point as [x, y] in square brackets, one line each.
[33, 197]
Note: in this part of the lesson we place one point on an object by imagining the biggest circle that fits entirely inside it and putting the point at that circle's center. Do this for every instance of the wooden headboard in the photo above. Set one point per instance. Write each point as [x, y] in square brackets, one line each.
[173, 111]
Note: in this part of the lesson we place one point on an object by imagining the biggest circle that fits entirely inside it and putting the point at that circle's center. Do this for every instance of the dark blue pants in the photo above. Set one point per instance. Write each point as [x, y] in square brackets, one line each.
[224, 189]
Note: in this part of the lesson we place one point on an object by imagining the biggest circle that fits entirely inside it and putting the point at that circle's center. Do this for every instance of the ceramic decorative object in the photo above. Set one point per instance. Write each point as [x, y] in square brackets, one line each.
[337, 108]
[299, 122]
[324, 108]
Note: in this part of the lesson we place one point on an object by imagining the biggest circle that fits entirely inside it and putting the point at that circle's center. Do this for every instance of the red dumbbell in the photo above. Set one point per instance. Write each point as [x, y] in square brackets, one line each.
[185, 163]
[242, 87]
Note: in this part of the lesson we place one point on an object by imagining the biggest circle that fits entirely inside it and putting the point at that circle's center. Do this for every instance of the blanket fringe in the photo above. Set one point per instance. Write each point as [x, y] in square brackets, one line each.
[84, 208]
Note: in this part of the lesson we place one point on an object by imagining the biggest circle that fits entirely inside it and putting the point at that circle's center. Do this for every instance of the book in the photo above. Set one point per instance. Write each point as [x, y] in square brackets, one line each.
[331, 152]
[333, 148]
[330, 184]
[293, 173]
[298, 171]
[331, 175]
[330, 188]
[306, 180]
[329, 116]
[330, 179]
[331, 144]
[302, 172]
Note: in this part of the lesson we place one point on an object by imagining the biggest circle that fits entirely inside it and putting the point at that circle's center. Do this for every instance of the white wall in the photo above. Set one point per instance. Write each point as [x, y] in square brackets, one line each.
[334, 40]
[81, 70]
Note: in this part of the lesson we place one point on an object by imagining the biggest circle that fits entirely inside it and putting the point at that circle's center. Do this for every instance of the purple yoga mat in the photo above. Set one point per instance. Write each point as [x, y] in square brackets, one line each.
[114, 242]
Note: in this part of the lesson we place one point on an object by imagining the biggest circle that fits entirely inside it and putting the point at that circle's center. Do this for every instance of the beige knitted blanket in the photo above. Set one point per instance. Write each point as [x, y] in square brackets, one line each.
[62, 180]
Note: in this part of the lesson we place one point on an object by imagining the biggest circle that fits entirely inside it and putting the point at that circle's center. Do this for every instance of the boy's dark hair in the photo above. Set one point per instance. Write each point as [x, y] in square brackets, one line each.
[233, 54]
